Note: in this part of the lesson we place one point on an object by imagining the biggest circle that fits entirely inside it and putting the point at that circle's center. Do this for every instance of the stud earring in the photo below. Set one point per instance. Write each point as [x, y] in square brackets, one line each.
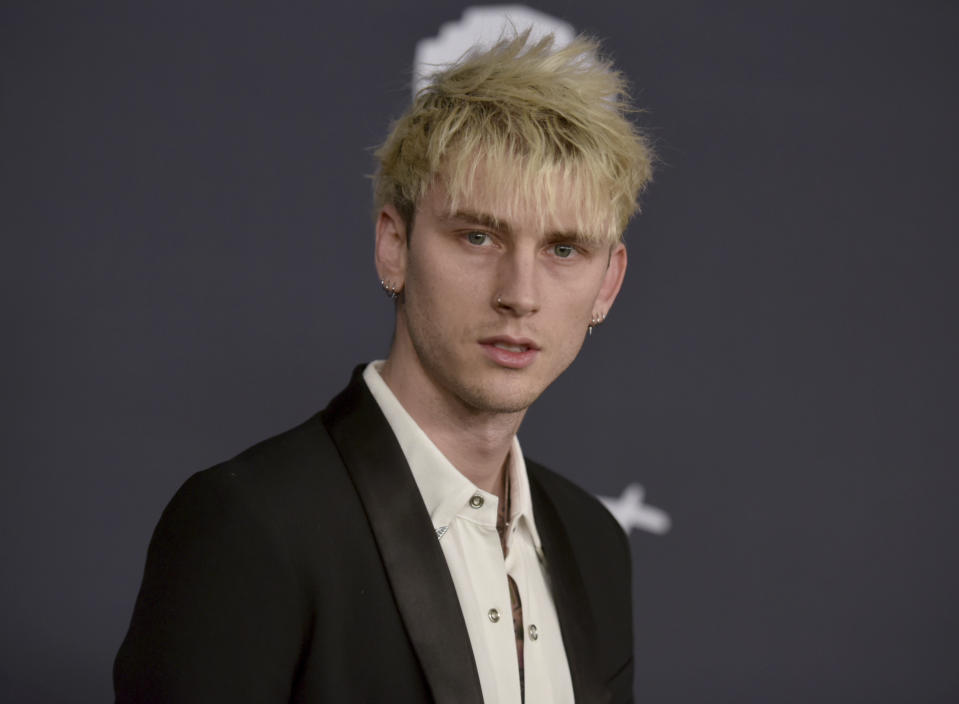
[389, 288]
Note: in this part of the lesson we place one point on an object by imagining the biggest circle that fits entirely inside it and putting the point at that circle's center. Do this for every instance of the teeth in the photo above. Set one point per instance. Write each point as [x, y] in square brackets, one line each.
[511, 348]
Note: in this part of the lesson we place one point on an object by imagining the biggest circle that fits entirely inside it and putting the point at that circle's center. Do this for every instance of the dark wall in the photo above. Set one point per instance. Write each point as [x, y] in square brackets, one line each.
[187, 269]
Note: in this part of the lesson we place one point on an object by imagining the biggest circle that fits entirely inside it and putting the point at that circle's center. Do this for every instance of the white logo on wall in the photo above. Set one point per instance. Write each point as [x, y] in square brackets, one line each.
[482, 26]
[631, 512]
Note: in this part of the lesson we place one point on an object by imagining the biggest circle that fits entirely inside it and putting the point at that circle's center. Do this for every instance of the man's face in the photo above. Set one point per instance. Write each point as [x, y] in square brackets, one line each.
[494, 307]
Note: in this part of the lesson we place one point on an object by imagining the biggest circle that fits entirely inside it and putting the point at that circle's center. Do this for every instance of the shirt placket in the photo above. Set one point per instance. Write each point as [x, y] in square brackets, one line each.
[503, 528]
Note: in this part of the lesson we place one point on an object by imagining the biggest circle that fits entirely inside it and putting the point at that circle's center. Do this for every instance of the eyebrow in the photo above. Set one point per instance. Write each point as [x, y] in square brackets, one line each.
[484, 219]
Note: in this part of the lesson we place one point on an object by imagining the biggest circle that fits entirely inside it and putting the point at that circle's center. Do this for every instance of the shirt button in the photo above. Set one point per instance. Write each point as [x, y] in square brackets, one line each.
[533, 632]
[493, 615]
[476, 501]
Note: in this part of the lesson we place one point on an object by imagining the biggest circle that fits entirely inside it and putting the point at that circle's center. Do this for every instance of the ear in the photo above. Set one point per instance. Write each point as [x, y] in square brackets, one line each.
[390, 252]
[612, 279]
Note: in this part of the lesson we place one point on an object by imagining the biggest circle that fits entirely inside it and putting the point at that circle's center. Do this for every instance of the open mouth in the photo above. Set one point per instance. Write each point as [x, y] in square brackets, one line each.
[510, 348]
[510, 352]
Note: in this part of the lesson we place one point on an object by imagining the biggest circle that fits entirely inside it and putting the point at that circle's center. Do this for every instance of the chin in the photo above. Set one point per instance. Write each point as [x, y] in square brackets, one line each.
[504, 397]
[498, 405]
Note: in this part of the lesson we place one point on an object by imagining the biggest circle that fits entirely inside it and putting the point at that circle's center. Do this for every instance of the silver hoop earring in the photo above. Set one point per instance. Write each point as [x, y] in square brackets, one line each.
[597, 319]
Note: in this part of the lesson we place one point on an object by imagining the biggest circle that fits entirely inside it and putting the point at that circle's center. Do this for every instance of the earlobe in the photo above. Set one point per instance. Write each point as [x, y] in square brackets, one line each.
[390, 251]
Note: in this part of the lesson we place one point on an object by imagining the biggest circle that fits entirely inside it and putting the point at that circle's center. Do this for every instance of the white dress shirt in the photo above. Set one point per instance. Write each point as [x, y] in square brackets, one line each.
[464, 518]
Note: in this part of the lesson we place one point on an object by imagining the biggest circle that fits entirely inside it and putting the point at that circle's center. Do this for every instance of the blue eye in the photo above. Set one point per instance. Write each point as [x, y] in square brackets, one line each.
[477, 238]
[563, 250]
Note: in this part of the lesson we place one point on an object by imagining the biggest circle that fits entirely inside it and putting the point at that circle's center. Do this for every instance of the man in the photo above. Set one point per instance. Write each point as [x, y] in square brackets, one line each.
[397, 546]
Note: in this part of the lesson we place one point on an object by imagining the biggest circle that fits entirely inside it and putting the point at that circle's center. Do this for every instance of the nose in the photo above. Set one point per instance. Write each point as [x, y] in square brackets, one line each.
[518, 292]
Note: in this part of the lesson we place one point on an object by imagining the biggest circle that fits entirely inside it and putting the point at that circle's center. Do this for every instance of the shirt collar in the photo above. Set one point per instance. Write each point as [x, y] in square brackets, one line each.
[445, 491]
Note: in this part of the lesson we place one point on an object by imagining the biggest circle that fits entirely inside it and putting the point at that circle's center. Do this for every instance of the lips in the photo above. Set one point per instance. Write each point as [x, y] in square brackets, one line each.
[510, 352]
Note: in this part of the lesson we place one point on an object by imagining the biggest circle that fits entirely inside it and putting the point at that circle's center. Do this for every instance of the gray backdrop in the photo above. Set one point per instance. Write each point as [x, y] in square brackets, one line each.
[187, 269]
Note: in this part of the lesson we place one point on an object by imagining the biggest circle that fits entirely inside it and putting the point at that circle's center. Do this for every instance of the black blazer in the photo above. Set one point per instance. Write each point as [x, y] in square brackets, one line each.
[306, 570]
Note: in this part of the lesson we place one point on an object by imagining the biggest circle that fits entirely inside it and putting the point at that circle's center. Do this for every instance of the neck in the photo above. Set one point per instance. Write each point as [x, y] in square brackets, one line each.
[476, 442]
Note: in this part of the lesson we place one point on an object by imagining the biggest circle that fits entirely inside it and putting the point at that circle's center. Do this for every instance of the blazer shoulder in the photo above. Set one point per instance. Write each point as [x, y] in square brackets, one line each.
[575, 503]
[225, 602]
[279, 468]
[291, 485]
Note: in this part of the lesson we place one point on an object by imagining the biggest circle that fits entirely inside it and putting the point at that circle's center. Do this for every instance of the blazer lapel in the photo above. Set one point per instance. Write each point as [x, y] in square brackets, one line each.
[569, 596]
[414, 561]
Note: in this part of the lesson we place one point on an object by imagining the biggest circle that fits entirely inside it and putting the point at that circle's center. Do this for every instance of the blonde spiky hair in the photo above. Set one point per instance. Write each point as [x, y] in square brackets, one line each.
[528, 113]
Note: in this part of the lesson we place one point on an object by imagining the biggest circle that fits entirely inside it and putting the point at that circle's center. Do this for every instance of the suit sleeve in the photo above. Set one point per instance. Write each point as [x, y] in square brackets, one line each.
[220, 613]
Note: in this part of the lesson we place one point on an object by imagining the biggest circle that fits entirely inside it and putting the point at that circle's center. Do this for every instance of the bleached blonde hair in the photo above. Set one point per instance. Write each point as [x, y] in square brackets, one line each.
[548, 123]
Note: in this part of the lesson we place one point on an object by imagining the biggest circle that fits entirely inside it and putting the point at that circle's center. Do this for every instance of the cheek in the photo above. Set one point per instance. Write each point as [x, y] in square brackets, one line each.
[439, 298]
[576, 295]
[449, 281]
[439, 291]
